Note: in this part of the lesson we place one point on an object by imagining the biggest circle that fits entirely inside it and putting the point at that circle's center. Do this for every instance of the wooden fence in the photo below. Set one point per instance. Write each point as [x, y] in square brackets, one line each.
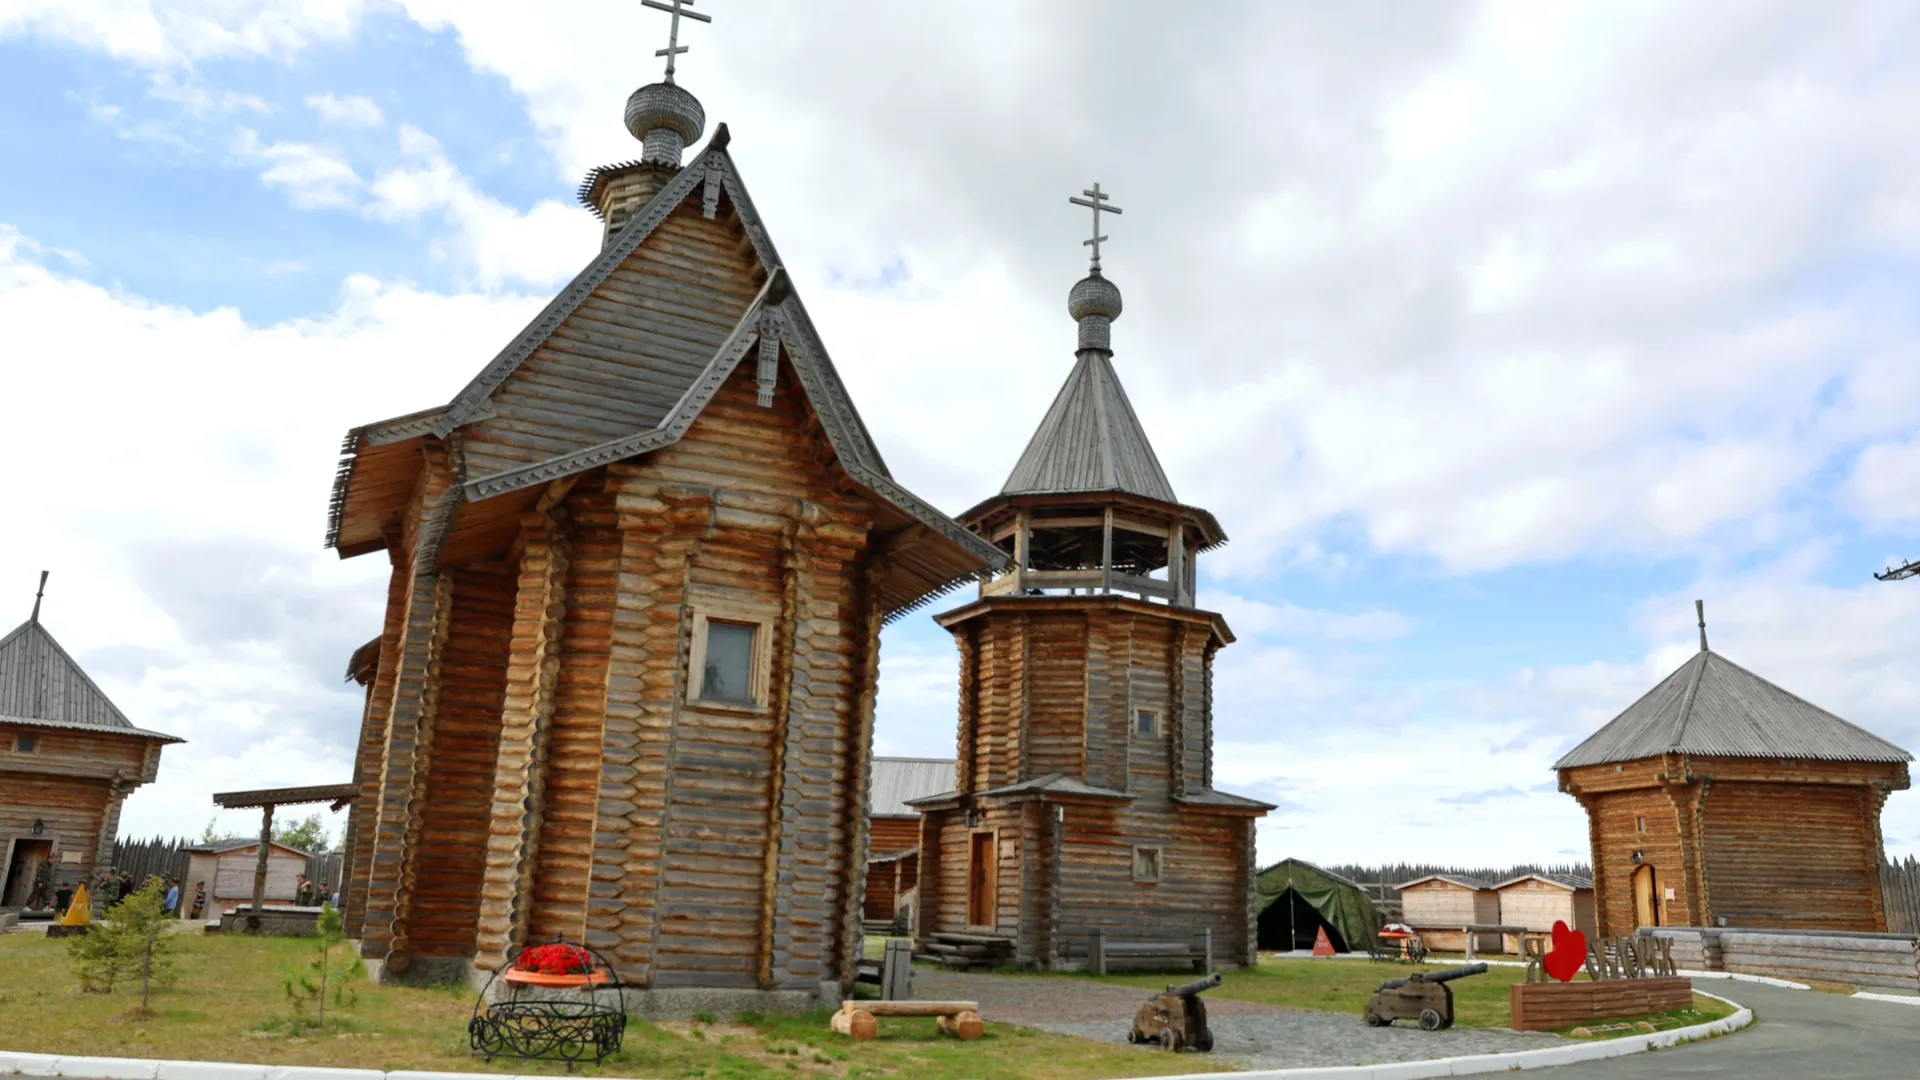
[1900, 883]
[168, 858]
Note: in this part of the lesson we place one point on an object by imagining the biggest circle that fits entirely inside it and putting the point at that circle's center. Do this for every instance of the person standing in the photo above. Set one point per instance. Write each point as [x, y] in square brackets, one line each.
[172, 903]
[62, 899]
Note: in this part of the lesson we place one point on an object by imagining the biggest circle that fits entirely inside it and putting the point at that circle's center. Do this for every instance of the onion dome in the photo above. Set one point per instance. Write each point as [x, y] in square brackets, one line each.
[665, 119]
[1094, 303]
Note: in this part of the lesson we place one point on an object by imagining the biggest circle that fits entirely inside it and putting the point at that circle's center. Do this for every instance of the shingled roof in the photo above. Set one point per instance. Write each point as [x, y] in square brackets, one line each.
[1090, 441]
[1713, 707]
[41, 684]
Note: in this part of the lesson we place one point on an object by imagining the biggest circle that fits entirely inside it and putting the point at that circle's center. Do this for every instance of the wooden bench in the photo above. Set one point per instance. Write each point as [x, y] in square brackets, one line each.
[858, 1020]
[1197, 950]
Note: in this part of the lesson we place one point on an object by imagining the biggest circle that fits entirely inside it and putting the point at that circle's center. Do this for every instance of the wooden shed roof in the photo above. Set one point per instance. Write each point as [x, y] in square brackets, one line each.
[1461, 880]
[896, 780]
[1090, 440]
[662, 405]
[40, 683]
[223, 847]
[1564, 881]
[1713, 707]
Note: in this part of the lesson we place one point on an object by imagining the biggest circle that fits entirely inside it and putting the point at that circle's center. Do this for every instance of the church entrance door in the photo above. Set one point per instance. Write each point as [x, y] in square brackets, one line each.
[981, 880]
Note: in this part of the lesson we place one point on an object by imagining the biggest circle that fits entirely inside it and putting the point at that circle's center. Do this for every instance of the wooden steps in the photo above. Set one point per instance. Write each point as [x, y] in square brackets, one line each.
[964, 951]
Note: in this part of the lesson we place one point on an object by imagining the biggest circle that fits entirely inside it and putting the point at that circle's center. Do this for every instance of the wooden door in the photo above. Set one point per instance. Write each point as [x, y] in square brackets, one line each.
[1646, 897]
[981, 879]
[21, 868]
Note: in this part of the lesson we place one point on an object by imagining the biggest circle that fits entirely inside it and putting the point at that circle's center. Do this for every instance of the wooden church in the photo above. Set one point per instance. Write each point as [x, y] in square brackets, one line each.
[640, 563]
[1720, 799]
[68, 759]
[1084, 810]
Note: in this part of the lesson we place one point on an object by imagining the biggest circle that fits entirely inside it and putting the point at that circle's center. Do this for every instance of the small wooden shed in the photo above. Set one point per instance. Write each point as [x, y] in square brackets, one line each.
[1440, 907]
[1537, 901]
[226, 868]
[893, 846]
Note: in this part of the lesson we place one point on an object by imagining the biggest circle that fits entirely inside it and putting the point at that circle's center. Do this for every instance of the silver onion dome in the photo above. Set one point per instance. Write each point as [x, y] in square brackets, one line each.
[666, 119]
[1094, 303]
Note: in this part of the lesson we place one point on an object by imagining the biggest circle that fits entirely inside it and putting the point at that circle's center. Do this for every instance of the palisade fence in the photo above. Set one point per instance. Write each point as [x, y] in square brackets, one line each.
[1900, 883]
[168, 859]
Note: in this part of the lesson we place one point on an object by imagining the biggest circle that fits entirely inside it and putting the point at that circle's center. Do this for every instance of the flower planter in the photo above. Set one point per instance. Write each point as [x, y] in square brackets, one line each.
[536, 978]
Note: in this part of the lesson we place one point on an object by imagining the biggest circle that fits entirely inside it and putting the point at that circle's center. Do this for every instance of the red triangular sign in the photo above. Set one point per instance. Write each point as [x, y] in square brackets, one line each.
[1321, 946]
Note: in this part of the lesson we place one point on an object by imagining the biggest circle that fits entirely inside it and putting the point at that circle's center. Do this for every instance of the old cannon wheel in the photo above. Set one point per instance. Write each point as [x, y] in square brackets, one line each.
[1169, 1040]
[1377, 1021]
[1204, 1043]
[1429, 1020]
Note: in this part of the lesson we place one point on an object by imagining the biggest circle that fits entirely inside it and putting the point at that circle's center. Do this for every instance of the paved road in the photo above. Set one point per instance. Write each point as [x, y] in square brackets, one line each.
[1796, 1035]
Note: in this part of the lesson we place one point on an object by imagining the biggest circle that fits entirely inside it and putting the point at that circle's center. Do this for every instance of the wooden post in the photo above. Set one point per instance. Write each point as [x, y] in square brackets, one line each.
[1206, 951]
[1097, 951]
[1022, 548]
[1177, 565]
[260, 864]
[1106, 552]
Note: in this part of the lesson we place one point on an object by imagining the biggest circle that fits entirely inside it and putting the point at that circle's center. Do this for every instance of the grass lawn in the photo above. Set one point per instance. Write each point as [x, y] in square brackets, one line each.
[229, 1005]
[1344, 986]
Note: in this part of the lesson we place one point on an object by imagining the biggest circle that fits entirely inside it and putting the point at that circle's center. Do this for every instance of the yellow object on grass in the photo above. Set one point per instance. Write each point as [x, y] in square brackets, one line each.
[79, 912]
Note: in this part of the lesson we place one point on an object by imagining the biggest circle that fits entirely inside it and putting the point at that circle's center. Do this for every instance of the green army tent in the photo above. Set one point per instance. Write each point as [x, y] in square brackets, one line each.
[1297, 899]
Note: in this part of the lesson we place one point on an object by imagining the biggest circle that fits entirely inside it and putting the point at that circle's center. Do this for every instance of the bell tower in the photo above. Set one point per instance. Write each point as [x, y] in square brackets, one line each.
[1084, 806]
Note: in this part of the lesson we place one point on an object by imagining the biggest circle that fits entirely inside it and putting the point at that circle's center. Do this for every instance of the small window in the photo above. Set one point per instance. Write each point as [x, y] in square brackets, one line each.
[26, 744]
[728, 672]
[1146, 722]
[1146, 864]
[1640, 824]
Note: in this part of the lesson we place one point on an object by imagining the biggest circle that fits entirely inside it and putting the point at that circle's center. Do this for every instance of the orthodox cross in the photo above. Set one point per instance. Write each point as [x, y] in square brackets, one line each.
[1097, 201]
[675, 8]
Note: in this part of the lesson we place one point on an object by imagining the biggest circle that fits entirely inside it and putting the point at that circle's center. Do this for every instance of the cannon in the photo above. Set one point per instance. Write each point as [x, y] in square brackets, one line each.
[1424, 996]
[1177, 1019]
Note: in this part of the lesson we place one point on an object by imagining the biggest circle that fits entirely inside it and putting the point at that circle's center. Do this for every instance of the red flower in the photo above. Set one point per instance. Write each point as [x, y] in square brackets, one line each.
[556, 960]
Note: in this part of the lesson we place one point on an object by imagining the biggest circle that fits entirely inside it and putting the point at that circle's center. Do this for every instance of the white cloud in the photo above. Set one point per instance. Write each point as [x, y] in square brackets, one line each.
[350, 110]
[313, 177]
[1885, 485]
[175, 33]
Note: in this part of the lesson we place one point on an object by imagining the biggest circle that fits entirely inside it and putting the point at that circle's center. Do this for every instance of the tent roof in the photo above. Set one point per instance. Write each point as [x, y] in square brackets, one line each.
[1713, 707]
[41, 683]
[1090, 440]
[1342, 903]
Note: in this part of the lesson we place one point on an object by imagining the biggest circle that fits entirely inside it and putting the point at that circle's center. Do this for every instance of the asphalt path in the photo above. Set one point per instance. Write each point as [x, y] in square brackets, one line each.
[1796, 1035]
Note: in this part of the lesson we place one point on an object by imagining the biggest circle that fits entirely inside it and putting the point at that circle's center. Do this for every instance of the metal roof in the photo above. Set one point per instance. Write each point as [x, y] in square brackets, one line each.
[40, 681]
[1090, 440]
[1461, 880]
[898, 779]
[1713, 707]
[1564, 881]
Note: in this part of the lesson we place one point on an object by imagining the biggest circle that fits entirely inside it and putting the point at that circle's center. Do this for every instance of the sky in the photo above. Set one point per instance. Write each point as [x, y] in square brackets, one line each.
[1494, 335]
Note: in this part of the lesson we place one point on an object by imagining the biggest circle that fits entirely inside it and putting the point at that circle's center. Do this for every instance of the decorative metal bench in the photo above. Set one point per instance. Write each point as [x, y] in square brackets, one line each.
[530, 1022]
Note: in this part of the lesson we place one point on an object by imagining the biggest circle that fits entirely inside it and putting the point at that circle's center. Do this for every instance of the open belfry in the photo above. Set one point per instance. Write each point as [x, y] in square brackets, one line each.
[1721, 800]
[1084, 810]
[624, 692]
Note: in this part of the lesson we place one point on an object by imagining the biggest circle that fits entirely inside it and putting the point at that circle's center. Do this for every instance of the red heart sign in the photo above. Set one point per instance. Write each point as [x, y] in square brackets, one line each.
[1569, 953]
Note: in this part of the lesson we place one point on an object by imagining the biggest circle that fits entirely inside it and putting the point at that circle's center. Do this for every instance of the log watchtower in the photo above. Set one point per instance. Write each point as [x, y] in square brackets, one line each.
[1084, 795]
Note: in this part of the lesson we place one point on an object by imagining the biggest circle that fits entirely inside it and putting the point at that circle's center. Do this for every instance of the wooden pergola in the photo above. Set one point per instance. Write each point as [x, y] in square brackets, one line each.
[338, 795]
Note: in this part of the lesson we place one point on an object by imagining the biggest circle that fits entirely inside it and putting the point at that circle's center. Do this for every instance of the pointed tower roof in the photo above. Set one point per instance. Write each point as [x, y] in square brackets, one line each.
[40, 684]
[1090, 440]
[1713, 707]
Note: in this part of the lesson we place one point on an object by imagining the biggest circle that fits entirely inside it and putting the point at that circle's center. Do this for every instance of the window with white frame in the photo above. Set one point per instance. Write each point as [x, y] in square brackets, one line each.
[729, 663]
[1146, 864]
[1146, 722]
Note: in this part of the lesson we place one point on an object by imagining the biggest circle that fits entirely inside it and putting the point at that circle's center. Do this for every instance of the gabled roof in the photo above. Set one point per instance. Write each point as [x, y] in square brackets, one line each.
[775, 322]
[221, 847]
[41, 683]
[1713, 707]
[1461, 880]
[1563, 881]
[1090, 440]
[897, 780]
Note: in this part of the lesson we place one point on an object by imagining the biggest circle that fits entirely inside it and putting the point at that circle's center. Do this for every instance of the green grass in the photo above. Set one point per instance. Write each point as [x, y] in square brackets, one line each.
[229, 1006]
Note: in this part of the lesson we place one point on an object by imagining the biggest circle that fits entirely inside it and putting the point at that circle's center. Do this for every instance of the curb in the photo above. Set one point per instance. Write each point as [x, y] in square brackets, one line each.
[92, 1068]
[1479, 1064]
[1897, 999]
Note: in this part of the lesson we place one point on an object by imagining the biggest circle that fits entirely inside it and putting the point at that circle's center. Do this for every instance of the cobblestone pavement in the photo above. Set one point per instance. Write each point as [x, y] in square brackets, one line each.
[1257, 1036]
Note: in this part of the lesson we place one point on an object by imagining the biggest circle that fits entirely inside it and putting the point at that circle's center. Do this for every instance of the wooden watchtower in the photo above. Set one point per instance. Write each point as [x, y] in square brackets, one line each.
[1719, 799]
[1084, 798]
[624, 692]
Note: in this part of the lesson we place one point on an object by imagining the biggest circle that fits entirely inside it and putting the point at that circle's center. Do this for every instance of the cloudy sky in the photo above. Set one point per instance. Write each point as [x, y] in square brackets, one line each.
[1493, 334]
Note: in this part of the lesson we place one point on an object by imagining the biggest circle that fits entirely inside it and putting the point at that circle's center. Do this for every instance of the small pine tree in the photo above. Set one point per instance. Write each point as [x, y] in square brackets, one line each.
[130, 939]
[301, 990]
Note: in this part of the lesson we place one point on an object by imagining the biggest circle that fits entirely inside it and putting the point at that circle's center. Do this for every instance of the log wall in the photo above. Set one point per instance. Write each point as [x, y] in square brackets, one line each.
[72, 810]
[892, 835]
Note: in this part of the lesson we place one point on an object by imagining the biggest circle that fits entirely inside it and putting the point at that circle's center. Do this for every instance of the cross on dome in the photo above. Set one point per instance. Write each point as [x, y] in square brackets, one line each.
[1096, 200]
[676, 9]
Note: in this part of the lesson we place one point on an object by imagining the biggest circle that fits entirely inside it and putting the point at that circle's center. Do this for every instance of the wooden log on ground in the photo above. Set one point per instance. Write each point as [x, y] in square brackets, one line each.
[965, 1026]
[857, 1024]
[911, 1008]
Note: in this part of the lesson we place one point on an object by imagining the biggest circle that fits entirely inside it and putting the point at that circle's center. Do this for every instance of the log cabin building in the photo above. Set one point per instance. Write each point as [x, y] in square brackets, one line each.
[1441, 907]
[1719, 799]
[893, 833]
[68, 758]
[624, 691]
[1084, 798]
